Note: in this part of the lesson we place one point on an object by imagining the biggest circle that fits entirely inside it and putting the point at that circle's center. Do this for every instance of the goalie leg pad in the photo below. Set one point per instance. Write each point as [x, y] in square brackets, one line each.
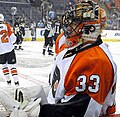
[8, 102]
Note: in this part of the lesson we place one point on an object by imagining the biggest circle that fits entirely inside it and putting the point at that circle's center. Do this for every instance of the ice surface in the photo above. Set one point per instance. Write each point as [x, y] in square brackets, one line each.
[34, 68]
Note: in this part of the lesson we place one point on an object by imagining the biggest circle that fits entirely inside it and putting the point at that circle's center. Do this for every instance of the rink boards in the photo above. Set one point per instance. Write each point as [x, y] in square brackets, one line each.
[107, 35]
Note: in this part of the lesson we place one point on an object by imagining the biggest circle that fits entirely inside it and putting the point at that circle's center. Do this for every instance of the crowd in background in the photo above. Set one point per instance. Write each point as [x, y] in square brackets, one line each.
[113, 14]
[109, 5]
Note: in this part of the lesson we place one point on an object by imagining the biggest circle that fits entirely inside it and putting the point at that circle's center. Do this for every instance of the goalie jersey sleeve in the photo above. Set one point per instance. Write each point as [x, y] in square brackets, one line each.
[89, 76]
[60, 43]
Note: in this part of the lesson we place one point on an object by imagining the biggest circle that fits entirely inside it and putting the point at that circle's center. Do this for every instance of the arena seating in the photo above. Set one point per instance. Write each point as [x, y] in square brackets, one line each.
[25, 9]
[5, 8]
[117, 4]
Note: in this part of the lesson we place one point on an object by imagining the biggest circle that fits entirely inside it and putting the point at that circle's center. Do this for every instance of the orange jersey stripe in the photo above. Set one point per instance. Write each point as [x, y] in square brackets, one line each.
[111, 109]
[9, 30]
[13, 71]
[5, 71]
[57, 48]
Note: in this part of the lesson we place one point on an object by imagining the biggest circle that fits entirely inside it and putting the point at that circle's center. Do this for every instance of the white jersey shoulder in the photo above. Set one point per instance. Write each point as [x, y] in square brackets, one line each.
[7, 38]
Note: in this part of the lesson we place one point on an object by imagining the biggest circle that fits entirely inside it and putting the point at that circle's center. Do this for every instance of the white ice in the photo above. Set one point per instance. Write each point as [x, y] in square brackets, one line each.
[34, 68]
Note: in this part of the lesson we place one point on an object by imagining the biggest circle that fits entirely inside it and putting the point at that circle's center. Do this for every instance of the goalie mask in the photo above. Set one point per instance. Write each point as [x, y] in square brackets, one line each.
[82, 22]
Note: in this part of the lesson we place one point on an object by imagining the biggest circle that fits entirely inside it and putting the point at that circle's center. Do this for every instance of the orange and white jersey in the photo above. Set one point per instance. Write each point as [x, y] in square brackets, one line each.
[7, 38]
[90, 73]
[60, 43]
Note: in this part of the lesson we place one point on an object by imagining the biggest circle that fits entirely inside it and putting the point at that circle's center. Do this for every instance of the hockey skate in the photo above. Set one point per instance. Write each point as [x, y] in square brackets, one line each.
[51, 53]
[43, 51]
[20, 48]
[9, 82]
[16, 83]
[15, 47]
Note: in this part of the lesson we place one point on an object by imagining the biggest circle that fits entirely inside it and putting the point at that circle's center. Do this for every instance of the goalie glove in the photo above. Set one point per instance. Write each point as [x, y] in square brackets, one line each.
[18, 113]
[33, 108]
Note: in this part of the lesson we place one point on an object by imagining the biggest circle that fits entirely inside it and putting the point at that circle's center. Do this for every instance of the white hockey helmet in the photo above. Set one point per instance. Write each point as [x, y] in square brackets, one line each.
[1, 17]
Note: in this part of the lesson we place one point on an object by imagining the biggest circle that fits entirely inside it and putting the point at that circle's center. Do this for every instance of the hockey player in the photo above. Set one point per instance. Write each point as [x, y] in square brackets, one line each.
[19, 32]
[83, 80]
[48, 35]
[33, 30]
[57, 28]
[7, 54]
[22, 31]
